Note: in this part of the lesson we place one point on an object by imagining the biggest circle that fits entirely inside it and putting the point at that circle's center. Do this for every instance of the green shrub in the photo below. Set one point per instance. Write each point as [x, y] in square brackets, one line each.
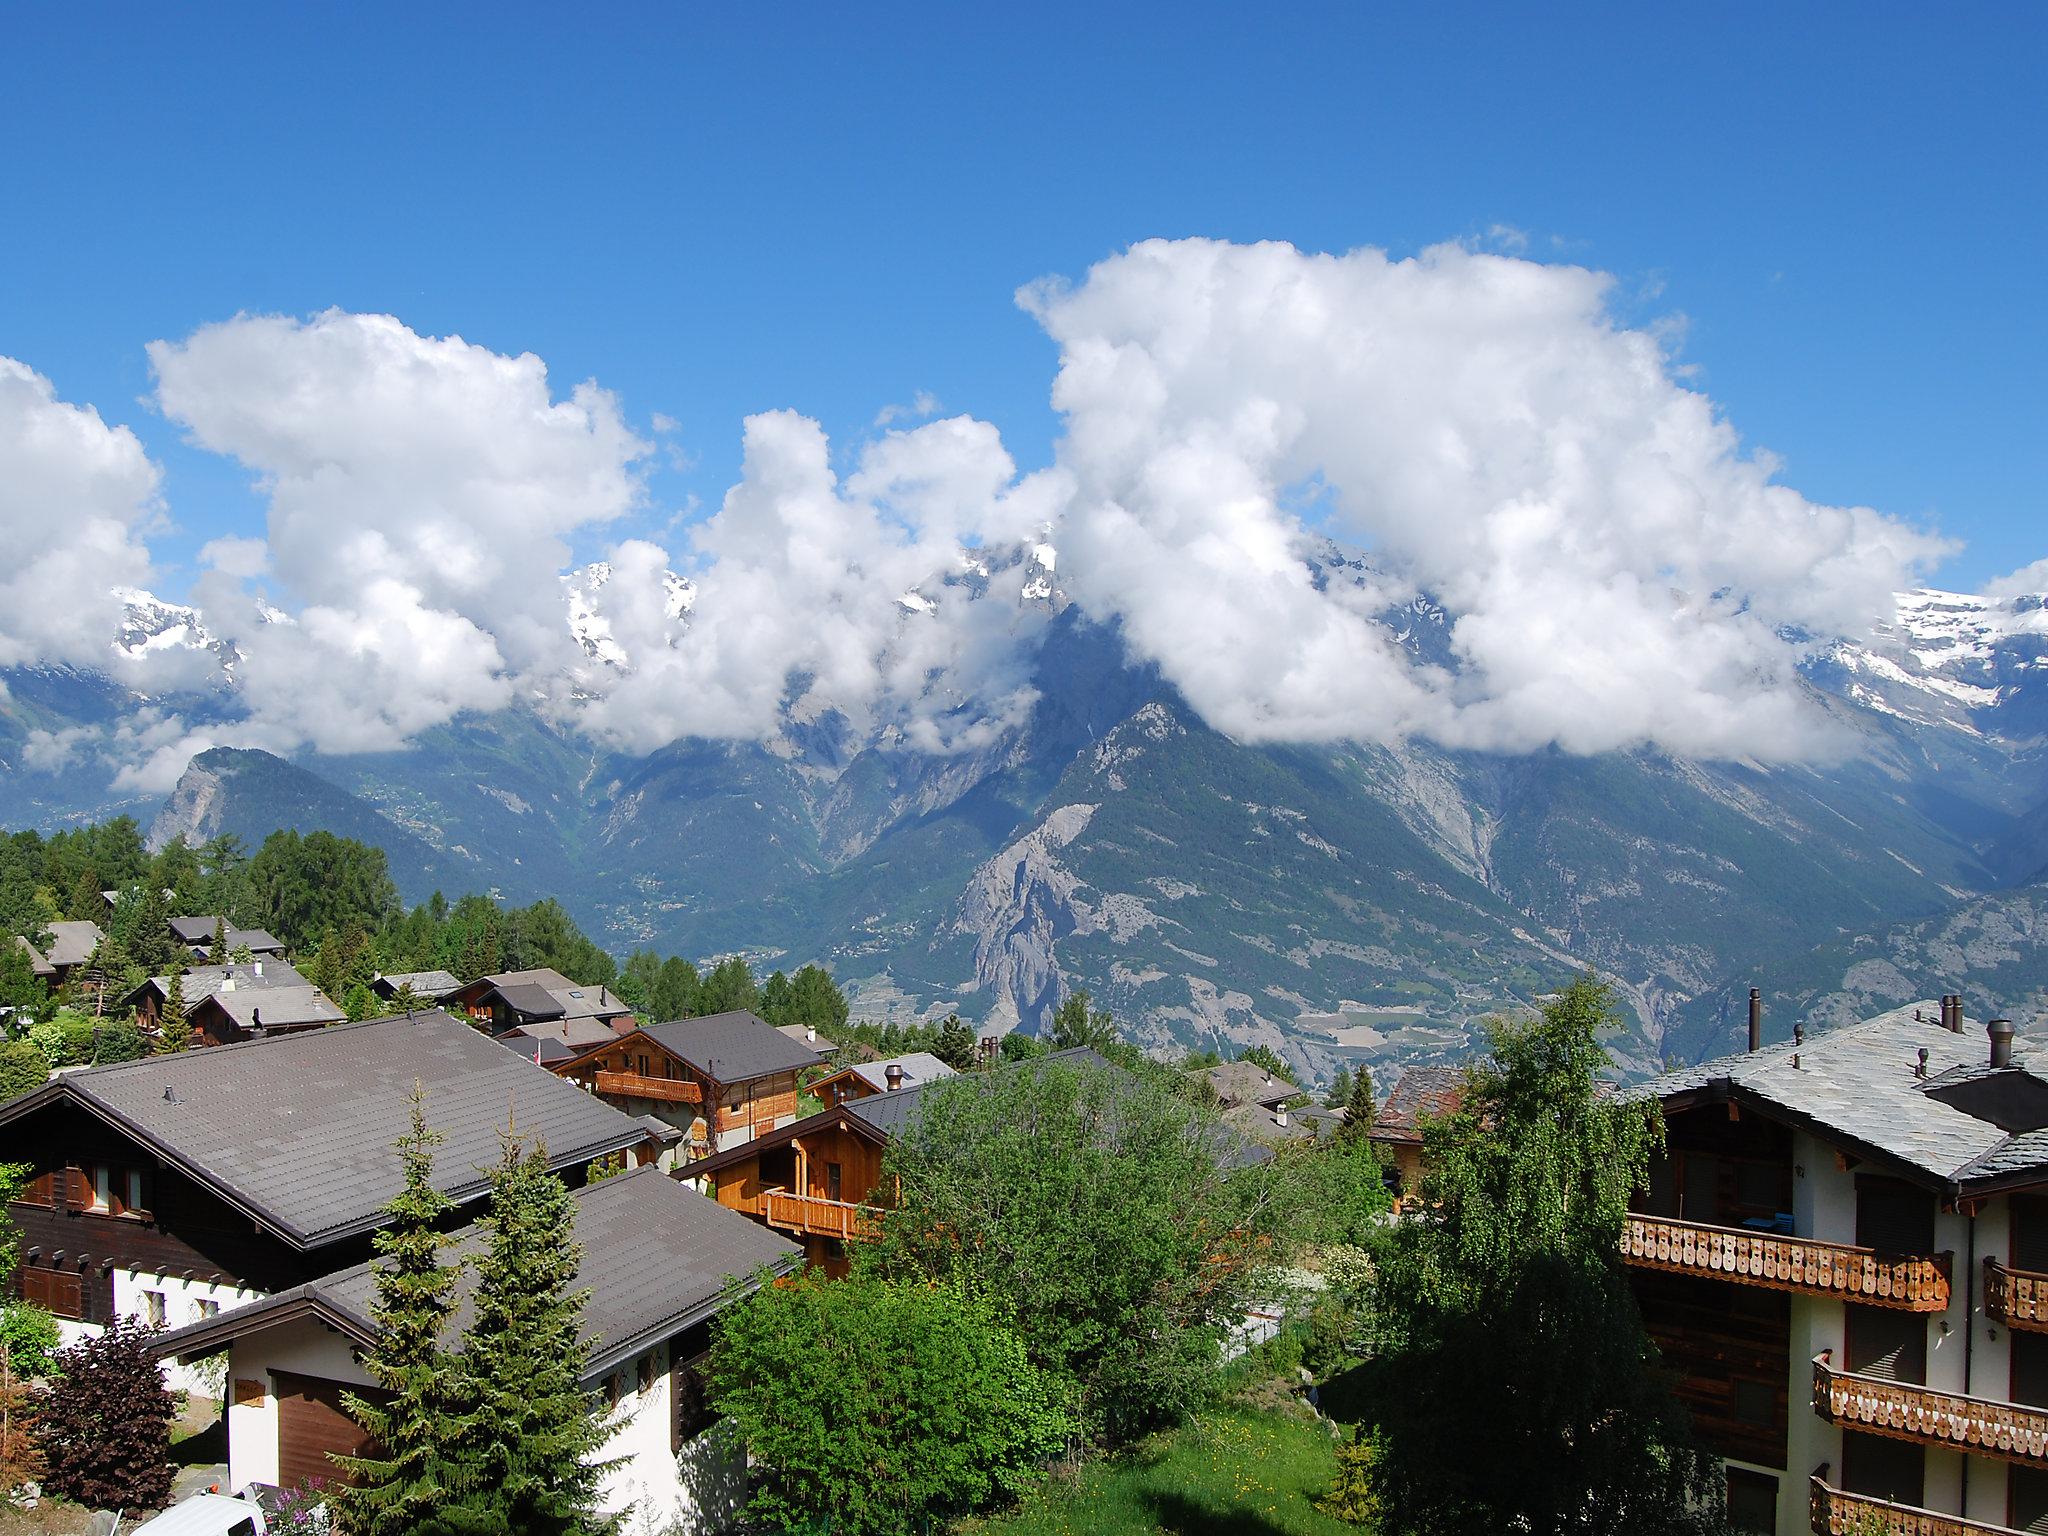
[29, 1337]
[23, 1068]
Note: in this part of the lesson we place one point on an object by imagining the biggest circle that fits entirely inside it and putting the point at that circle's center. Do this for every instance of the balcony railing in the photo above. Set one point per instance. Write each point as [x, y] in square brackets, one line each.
[666, 1090]
[1836, 1513]
[821, 1218]
[2017, 1298]
[1804, 1265]
[1924, 1416]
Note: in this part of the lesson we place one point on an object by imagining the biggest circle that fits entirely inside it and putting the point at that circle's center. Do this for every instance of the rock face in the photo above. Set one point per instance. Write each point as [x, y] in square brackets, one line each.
[197, 807]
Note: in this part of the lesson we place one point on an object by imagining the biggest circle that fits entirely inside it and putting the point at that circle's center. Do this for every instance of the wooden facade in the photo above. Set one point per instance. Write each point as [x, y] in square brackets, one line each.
[2017, 1298]
[1730, 1351]
[637, 1074]
[98, 1201]
[817, 1185]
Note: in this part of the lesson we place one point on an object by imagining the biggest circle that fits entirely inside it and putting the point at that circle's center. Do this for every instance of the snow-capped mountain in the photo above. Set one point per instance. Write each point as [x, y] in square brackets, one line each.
[152, 627]
[588, 592]
[1950, 659]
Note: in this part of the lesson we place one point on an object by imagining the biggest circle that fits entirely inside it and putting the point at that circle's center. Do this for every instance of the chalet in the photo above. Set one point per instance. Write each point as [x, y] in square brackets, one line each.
[658, 1263]
[71, 946]
[1843, 1257]
[197, 935]
[817, 1178]
[230, 1016]
[1420, 1094]
[249, 977]
[807, 1034]
[430, 986]
[867, 1078]
[178, 1186]
[1238, 1083]
[724, 1079]
[525, 999]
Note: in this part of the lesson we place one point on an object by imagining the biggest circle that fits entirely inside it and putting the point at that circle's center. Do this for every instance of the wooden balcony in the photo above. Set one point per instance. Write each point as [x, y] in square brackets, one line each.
[1983, 1426]
[2017, 1298]
[820, 1218]
[1803, 1265]
[1836, 1513]
[664, 1090]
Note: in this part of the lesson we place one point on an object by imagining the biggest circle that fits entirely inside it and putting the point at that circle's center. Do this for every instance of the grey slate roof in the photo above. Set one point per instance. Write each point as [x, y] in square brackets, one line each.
[800, 1032]
[546, 993]
[36, 959]
[297, 1131]
[732, 1047]
[1857, 1084]
[72, 943]
[573, 1035]
[1419, 1093]
[918, 1067]
[1244, 1082]
[278, 1007]
[205, 980]
[656, 1258]
[431, 984]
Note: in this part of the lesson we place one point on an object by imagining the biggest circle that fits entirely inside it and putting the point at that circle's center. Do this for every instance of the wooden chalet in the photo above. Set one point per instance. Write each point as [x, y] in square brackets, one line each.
[71, 946]
[197, 935]
[1420, 1094]
[173, 1187]
[542, 1002]
[818, 1179]
[722, 1080]
[865, 1079]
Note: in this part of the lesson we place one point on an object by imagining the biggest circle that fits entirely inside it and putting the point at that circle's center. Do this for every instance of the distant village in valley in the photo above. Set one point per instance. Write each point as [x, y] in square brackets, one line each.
[311, 1167]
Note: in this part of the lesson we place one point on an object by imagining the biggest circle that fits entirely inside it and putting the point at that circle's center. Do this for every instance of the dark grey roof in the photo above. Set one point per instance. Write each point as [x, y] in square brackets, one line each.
[535, 1002]
[656, 1259]
[297, 1131]
[732, 1047]
[197, 933]
[433, 984]
[196, 930]
[1858, 1084]
[574, 1035]
[37, 962]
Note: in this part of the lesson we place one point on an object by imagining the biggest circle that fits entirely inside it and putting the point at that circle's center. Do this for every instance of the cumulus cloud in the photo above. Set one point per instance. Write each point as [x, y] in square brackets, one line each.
[1617, 568]
[416, 465]
[77, 498]
[805, 595]
[244, 558]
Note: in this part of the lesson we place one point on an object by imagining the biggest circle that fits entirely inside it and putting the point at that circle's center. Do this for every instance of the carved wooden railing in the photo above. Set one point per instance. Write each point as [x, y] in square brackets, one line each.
[1806, 1265]
[668, 1090]
[819, 1217]
[2017, 1298]
[1836, 1513]
[1922, 1415]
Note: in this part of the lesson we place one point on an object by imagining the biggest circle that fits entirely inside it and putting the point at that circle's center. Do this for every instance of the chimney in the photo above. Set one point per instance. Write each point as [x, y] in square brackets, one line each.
[1799, 1034]
[1756, 1019]
[1955, 1012]
[1280, 1119]
[259, 967]
[2000, 1031]
[1921, 1070]
[810, 1034]
[227, 982]
[256, 1019]
[894, 1076]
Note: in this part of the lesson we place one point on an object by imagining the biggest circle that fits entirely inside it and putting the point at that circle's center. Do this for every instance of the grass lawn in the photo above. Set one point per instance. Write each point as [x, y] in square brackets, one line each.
[1239, 1471]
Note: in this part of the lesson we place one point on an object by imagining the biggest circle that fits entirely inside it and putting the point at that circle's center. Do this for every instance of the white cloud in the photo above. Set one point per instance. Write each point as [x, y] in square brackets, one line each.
[923, 405]
[232, 556]
[76, 497]
[1616, 566]
[390, 457]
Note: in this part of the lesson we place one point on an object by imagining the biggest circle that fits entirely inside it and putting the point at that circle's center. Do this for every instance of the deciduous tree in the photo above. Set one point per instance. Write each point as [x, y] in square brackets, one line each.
[105, 1425]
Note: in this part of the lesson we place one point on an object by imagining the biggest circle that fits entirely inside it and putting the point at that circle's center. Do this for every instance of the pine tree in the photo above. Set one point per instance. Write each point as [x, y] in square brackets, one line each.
[534, 1457]
[217, 953]
[414, 1430]
[955, 1045]
[1340, 1090]
[1360, 1107]
[174, 1030]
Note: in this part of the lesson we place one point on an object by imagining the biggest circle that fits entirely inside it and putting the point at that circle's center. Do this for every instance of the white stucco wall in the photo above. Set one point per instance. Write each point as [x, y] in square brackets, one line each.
[181, 1306]
[699, 1488]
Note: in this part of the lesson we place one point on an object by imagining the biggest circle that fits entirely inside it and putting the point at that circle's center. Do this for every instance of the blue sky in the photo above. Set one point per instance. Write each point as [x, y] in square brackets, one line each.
[715, 211]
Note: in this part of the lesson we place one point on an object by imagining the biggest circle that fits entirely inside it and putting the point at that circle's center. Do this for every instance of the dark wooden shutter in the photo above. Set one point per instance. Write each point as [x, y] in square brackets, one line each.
[312, 1429]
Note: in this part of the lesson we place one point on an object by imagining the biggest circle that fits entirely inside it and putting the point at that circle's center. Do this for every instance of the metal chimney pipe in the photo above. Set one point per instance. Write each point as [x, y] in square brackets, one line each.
[1955, 1012]
[894, 1077]
[2000, 1031]
[1756, 1018]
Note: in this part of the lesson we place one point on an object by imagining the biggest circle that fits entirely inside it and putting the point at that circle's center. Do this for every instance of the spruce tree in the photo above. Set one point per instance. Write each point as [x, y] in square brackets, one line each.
[217, 953]
[413, 1471]
[1340, 1090]
[955, 1045]
[174, 1030]
[1360, 1107]
[534, 1455]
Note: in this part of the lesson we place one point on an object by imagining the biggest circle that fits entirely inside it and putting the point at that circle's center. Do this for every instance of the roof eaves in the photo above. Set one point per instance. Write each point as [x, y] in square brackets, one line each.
[601, 1363]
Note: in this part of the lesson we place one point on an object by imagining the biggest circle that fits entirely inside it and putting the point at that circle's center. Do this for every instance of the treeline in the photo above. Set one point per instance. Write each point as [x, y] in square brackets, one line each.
[332, 903]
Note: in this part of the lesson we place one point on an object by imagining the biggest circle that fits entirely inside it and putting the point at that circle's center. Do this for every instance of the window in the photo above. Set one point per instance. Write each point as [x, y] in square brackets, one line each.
[647, 1373]
[116, 1191]
[1752, 1502]
[204, 1309]
[832, 1181]
[58, 1292]
[1756, 1402]
[153, 1308]
[690, 1401]
[41, 1190]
